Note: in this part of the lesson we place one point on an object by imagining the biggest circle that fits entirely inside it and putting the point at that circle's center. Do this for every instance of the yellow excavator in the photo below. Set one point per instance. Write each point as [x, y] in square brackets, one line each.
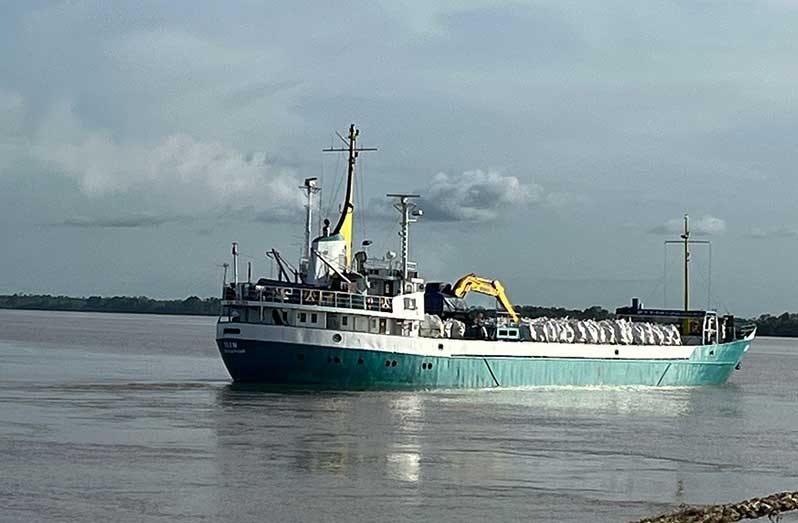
[472, 282]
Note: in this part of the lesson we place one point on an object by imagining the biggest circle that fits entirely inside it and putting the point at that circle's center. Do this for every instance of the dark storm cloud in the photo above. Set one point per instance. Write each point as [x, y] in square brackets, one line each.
[472, 196]
[475, 196]
[124, 222]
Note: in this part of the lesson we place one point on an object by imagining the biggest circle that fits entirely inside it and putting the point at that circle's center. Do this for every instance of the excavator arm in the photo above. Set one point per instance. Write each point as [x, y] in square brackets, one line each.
[473, 283]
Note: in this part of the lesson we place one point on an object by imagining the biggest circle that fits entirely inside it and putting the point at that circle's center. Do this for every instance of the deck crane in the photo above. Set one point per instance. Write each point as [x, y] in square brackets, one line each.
[473, 283]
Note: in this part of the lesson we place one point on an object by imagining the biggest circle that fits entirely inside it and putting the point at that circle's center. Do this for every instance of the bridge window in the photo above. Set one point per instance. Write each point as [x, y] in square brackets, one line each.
[303, 317]
[410, 304]
[314, 318]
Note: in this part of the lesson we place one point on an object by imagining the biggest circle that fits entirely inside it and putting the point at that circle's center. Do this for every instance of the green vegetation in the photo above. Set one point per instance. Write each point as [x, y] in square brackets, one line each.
[783, 325]
[139, 304]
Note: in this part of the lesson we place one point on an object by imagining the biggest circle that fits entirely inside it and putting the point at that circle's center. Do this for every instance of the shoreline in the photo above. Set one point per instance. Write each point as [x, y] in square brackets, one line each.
[99, 311]
[781, 326]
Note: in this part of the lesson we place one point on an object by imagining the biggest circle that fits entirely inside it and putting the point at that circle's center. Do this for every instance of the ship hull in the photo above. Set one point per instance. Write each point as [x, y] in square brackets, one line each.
[285, 363]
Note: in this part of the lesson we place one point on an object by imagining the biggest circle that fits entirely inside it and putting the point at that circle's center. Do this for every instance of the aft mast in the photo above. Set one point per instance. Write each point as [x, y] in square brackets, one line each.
[685, 242]
[686, 238]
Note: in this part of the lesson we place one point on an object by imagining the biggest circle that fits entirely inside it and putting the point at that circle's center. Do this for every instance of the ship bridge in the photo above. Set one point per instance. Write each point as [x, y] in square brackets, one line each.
[279, 303]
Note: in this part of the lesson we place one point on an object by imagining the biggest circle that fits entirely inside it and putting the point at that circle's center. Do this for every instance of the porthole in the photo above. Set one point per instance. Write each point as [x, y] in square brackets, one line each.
[424, 366]
[429, 365]
[329, 359]
[393, 363]
[712, 353]
[337, 359]
[360, 361]
[300, 357]
[440, 346]
[616, 352]
[387, 363]
[337, 338]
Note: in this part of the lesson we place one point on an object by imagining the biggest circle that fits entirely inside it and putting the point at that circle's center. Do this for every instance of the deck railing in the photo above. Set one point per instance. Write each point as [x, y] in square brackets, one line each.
[387, 264]
[315, 297]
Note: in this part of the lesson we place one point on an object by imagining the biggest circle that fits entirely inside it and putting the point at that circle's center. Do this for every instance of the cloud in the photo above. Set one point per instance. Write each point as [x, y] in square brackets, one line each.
[12, 113]
[563, 199]
[704, 226]
[781, 232]
[132, 221]
[12, 106]
[475, 196]
[176, 176]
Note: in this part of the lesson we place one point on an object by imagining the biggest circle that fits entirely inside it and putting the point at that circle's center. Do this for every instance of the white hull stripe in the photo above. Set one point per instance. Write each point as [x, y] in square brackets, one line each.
[449, 347]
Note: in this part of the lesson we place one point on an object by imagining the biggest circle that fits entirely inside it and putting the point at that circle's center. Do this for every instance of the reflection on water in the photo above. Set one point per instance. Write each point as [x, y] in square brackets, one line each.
[336, 433]
[404, 465]
[638, 401]
[585, 442]
[402, 460]
[330, 432]
[604, 445]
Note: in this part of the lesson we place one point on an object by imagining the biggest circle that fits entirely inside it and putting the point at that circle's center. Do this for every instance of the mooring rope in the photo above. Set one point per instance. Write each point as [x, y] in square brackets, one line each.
[771, 506]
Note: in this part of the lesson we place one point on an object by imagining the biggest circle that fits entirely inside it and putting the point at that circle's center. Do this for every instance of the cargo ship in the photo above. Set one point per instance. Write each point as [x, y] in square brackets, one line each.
[342, 319]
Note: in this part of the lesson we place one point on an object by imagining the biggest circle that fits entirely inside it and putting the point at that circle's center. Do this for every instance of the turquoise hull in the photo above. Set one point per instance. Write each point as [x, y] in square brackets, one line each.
[305, 365]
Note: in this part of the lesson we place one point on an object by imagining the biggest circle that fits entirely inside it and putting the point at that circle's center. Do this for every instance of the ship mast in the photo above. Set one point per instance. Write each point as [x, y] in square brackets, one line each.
[225, 266]
[410, 212]
[686, 237]
[310, 187]
[344, 226]
[685, 242]
[235, 263]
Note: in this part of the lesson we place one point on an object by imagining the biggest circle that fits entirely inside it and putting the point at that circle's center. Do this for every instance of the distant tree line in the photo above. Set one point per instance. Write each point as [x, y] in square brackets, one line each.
[132, 304]
[767, 325]
[784, 325]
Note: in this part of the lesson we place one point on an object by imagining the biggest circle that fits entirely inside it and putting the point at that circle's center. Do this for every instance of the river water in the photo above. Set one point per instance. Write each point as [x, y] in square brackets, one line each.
[113, 417]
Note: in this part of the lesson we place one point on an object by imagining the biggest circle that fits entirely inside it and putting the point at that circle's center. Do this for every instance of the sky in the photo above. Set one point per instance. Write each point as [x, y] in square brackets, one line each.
[556, 144]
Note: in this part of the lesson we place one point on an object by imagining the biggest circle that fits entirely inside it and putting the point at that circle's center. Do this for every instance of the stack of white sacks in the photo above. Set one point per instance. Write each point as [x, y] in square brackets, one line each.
[434, 327]
[565, 330]
[613, 332]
